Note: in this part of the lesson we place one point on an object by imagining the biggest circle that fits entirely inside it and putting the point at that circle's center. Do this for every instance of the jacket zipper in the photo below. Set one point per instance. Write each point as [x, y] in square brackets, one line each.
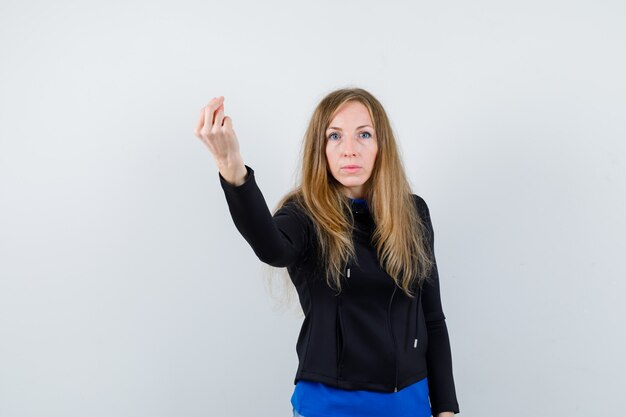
[417, 318]
[393, 338]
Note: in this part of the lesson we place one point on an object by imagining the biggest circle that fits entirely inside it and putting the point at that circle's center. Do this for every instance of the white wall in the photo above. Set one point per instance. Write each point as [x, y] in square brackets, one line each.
[119, 262]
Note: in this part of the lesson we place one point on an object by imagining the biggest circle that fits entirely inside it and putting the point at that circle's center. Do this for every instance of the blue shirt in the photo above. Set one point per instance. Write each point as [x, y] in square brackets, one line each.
[314, 399]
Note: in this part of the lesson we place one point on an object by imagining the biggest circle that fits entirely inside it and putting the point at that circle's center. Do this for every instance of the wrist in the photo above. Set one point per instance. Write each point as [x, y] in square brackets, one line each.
[230, 163]
[233, 171]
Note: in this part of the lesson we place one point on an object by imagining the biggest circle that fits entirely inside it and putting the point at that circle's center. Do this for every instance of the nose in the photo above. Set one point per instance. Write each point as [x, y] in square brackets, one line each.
[350, 147]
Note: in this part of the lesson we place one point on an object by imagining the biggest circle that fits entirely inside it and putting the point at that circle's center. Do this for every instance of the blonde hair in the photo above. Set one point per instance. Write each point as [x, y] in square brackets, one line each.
[400, 235]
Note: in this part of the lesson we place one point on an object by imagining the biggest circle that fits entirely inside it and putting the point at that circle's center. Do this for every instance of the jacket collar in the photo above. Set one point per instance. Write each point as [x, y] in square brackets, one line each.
[358, 205]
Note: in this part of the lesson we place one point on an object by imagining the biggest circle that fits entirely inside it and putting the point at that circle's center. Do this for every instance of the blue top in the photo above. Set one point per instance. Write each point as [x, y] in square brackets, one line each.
[314, 399]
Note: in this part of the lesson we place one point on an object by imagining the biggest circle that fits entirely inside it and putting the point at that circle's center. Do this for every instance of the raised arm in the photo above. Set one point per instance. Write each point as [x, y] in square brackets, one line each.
[278, 240]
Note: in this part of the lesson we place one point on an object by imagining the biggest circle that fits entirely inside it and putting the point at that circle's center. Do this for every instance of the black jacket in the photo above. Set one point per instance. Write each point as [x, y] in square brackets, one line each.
[369, 337]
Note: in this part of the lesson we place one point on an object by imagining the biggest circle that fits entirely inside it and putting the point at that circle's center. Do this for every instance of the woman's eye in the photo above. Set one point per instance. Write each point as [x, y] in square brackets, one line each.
[333, 135]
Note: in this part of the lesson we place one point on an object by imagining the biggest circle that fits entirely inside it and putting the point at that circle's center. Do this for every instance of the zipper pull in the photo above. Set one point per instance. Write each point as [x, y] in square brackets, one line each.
[348, 272]
[396, 389]
[415, 343]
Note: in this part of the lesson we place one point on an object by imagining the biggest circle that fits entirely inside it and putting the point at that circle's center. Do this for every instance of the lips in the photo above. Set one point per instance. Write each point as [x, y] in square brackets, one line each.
[350, 166]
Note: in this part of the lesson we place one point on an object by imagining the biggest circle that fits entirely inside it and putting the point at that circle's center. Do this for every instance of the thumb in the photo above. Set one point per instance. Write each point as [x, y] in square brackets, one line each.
[228, 122]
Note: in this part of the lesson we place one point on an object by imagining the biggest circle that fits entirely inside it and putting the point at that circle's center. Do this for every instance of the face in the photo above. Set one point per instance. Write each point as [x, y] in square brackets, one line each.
[351, 148]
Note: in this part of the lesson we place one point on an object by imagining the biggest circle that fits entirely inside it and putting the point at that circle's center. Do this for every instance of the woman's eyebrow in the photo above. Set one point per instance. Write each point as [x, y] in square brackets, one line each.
[338, 128]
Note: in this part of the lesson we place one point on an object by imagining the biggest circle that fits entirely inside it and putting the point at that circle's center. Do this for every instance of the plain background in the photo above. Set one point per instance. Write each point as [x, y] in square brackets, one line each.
[125, 289]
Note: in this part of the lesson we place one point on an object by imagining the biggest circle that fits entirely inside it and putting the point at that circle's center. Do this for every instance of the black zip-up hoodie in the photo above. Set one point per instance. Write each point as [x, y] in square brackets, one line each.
[370, 336]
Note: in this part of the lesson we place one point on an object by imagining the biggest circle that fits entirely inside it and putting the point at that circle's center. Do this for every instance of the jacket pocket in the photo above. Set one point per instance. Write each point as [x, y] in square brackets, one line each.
[367, 351]
[412, 357]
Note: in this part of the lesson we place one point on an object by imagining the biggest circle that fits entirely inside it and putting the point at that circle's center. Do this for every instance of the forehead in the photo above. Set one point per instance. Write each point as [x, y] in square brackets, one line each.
[351, 113]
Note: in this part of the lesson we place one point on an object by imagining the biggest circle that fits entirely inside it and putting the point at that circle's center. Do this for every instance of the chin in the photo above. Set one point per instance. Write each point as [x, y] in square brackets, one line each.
[352, 184]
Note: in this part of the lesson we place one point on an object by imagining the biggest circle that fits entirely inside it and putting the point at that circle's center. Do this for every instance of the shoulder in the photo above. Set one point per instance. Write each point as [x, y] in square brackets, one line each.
[422, 207]
[295, 208]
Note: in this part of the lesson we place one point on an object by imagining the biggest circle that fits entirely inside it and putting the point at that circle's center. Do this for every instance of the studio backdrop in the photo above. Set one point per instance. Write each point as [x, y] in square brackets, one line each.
[125, 289]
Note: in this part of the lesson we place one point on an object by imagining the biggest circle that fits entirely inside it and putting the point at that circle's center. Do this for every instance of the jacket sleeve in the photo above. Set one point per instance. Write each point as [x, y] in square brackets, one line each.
[279, 240]
[438, 354]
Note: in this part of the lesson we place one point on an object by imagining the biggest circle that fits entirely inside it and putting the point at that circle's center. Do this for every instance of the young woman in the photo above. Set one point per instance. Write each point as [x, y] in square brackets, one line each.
[359, 249]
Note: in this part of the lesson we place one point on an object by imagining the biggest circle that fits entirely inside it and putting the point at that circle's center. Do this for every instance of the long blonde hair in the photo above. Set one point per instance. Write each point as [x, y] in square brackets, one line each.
[400, 235]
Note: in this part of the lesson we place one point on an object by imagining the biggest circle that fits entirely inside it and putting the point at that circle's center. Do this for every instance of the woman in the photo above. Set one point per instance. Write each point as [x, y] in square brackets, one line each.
[359, 248]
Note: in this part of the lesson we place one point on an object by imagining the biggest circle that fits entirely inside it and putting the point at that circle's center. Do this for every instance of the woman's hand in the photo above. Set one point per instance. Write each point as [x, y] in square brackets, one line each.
[216, 131]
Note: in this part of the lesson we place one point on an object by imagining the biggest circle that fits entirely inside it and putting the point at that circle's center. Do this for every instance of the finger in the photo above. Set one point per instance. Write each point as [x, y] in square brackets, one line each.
[219, 117]
[228, 123]
[200, 123]
[209, 111]
[220, 106]
[208, 118]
